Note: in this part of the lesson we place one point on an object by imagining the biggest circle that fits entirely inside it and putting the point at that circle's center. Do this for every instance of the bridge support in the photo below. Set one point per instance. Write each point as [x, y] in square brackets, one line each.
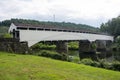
[103, 46]
[87, 50]
[62, 48]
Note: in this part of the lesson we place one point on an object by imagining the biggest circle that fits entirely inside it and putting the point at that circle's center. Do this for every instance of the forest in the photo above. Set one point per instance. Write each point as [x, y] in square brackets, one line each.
[112, 27]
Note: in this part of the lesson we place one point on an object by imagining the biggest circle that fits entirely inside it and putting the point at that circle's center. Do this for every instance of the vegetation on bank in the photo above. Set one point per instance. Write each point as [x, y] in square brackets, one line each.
[28, 67]
[52, 46]
[101, 63]
[114, 65]
[3, 30]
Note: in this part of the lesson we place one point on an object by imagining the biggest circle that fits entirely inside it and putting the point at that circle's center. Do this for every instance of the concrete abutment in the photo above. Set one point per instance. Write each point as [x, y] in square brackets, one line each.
[13, 45]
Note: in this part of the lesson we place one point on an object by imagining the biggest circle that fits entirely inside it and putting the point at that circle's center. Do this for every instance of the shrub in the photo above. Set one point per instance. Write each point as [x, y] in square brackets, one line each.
[116, 65]
[64, 56]
[90, 62]
[76, 59]
[52, 54]
[73, 45]
[102, 62]
[70, 58]
[93, 45]
[105, 64]
[95, 64]
[45, 54]
[56, 56]
[87, 61]
[7, 35]
[39, 46]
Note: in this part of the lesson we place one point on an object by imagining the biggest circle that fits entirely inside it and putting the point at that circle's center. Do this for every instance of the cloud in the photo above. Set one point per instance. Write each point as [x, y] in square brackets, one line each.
[91, 12]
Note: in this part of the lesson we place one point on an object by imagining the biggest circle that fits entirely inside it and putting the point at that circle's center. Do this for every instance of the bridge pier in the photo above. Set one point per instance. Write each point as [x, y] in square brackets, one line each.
[103, 46]
[87, 50]
[62, 48]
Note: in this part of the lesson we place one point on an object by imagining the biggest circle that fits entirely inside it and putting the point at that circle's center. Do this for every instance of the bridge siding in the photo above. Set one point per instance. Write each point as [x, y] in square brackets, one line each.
[33, 37]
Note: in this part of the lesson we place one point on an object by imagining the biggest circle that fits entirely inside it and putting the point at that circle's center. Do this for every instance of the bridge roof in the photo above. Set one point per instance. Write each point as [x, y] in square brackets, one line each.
[53, 28]
[44, 26]
[32, 26]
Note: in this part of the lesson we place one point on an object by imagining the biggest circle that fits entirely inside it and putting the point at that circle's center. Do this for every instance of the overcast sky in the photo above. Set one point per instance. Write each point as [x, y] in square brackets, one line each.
[91, 12]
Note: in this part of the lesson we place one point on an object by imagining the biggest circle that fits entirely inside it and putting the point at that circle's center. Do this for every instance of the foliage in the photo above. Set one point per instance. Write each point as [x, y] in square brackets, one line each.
[3, 30]
[117, 40]
[116, 48]
[52, 54]
[28, 67]
[87, 61]
[102, 62]
[116, 65]
[93, 45]
[105, 64]
[39, 46]
[95, 64]
[45, 53]
[73, 45]
[112, 26]
[74, 59]
[49, 46]
[7, 35]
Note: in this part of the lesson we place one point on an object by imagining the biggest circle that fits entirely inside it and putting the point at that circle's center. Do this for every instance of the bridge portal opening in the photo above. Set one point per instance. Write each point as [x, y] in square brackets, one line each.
[16, 34]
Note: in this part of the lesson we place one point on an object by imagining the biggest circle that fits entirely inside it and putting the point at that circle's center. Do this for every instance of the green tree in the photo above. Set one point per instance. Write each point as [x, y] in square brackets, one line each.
[112, 27]
[117, 41]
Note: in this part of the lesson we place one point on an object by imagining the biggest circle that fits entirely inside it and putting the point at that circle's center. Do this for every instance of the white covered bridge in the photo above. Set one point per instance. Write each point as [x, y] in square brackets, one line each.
[35, 34]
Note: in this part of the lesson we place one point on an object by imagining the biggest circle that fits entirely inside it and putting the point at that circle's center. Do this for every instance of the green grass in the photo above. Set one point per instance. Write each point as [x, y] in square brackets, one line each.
[28, 67]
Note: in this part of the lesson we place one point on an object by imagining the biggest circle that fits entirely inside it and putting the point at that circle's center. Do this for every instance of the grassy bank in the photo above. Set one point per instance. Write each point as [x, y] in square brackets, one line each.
[28, 67]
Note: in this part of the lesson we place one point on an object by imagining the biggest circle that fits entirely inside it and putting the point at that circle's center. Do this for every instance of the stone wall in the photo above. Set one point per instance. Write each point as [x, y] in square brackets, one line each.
[13, 45]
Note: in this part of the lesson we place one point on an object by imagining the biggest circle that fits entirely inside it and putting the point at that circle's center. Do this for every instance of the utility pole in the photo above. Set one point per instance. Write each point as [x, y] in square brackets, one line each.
[54, 18]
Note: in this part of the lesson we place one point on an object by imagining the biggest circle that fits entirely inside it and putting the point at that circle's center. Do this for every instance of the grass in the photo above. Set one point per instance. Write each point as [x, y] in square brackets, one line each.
[28, 67]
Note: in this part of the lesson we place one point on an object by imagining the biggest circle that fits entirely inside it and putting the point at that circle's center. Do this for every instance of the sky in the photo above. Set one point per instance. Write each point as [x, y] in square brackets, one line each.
[90, 12]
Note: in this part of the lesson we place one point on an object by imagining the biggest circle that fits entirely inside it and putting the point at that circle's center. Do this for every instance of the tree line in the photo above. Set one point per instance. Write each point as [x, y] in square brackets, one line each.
[66, 25]
[112, 26]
